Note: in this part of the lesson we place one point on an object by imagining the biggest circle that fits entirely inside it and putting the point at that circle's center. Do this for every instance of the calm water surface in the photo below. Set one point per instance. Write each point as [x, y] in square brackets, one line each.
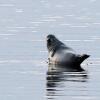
[24, 73]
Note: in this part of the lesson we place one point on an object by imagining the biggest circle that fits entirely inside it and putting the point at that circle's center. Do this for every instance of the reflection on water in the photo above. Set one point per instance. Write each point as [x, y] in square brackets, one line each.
[58, 75]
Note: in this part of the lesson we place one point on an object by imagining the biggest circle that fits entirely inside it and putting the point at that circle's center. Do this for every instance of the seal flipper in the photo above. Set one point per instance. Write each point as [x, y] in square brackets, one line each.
[81, 58]
[53, 53]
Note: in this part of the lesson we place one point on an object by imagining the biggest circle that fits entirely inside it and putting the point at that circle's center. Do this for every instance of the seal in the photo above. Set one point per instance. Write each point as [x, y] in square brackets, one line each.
[60, 54]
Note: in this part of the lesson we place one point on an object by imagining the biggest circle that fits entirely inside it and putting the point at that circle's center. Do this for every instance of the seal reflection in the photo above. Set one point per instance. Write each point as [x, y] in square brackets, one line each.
[58, 75]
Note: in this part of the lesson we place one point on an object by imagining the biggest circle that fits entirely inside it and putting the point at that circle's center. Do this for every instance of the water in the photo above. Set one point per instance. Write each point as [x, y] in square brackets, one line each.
[24, 73]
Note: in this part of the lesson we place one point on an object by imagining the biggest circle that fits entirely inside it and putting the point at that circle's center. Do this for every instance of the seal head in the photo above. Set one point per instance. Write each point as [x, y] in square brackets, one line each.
[53, 44]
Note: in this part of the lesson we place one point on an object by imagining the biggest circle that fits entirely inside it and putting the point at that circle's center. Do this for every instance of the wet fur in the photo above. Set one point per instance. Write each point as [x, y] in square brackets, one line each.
[60, 54]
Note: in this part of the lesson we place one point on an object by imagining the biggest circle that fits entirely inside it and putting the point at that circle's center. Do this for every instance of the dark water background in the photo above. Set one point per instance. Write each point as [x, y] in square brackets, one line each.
[24, 25]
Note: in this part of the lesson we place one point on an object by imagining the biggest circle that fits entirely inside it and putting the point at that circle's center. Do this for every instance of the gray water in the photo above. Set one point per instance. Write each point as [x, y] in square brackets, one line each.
[24, 73]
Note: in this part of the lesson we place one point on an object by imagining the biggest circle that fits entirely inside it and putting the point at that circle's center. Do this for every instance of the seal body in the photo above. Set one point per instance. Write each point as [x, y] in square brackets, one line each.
[60, 54]
[62, 57]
